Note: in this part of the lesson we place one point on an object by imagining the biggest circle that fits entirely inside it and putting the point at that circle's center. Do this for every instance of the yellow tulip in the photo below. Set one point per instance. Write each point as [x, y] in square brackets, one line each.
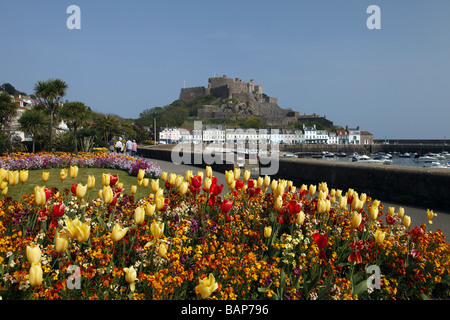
[106, 179]
[118, 233]
[237, 173]
[39, 195]
[13, 177]
[178, 181]
[3, 185]
[207, 286]
[312, 189]
[164, 175]
[208, 171]
[159, 201]
[172, 178]
[188, 175]
[155, 185]
[363, 197]
[391, 211]
[5, 191]
[157, 229]
[321, 205]
[63, 174]
[207, 183]
[200, 174]
[139, 215]
[278, 203]
[145, 182]
[140, 182]
[300, 218]
[356, 219]
[401, 212]
[35, 275]
[357, 204]
[91, 182]
[107, 195]
[83, 232]
[23, 176]
[150, 209]
[133, 189]
[141, 174]
[376, 203]
[379, 236]
[183, 188]
[71, 227]
[266, 181]
[130, 277]
[45, 176]
[3, 173]
[338, 193]
[81, 191]
[280, 190]
[162, 250]
[61, 241]
[267, 232]
[246, 175]
[406, 221]
[73, 171]
[259, 181]
[232, 185]
[34, 254]
[229, 176]
[322, 195]
[373, 213]
[274, 185]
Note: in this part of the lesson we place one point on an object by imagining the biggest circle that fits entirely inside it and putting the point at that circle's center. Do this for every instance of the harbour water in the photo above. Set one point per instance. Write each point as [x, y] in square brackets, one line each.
[396, 160]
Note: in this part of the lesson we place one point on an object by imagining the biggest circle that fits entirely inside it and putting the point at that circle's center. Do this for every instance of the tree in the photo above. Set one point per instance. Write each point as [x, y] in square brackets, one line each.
[107, 125]
[8, 110]
[50, 93]
[34, 121]
[75, 115]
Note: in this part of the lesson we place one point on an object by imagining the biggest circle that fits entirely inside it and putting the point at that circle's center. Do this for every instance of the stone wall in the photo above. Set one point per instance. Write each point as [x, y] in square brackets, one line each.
[191, 94]
[417, 186]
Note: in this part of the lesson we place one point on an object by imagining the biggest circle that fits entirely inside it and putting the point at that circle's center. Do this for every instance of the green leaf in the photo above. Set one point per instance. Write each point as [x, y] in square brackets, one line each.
[360, 288]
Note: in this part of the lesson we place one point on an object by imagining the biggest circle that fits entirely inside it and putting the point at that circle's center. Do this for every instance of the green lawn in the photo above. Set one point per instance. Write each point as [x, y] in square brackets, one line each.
[35, 178]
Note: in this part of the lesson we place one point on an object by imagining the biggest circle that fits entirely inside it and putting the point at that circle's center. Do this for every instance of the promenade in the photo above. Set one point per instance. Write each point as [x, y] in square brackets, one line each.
[418, 214]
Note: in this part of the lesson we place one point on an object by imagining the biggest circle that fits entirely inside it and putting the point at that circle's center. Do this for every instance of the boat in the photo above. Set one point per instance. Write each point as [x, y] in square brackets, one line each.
[366, 159]
[341, 155]
[445, 154]
[435, 164]
[425, 159]
[405, 155]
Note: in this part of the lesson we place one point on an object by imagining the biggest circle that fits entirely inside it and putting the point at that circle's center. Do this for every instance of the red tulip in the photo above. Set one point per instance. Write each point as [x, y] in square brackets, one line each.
[74, 188]
[355, 256]
[212, 201]
[48, 193]
[227, 218]
[239, 184]
[251, 192]
[113, 179]
[294, 206]
[226, 205]
[58, 209]
[196, 181]
[215, 189]
[250, 183]
[320, 239]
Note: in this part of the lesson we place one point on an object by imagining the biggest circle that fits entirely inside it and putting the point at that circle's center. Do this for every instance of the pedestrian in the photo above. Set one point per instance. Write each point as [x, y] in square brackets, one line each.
[119, 146]
[133, 148]
[111, 145]
[128, 146]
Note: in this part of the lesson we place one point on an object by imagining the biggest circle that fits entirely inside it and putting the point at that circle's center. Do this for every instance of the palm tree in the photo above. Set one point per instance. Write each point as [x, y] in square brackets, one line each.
[107, 125]
[8, 109]
[75, 115]
[50, 93]
[34, 121]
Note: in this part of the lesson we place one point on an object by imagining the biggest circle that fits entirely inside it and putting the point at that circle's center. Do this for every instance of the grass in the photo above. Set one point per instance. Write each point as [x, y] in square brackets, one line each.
[35, 178]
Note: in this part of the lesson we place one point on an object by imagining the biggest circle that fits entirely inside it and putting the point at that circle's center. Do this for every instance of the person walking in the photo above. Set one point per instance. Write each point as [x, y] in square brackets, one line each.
[111, 145]
[119, 146]
[133, 148]
[128, 145]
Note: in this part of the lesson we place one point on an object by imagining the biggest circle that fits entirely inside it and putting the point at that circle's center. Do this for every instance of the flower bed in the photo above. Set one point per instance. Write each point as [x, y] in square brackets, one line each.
[188, 239]
[44, 160]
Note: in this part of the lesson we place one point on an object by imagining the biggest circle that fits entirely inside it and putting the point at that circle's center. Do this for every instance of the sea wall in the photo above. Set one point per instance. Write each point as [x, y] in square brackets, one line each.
[417, 186]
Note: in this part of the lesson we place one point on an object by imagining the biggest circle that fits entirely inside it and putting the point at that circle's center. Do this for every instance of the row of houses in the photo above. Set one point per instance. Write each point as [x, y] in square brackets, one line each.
[218, 134]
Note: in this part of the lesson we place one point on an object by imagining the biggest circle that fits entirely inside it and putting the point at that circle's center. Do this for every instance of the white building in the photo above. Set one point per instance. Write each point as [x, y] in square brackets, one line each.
[354, 135]
[310, 134]
[333, 138]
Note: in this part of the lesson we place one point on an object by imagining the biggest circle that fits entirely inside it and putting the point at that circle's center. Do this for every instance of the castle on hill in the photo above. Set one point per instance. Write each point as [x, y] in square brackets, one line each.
[235, 98]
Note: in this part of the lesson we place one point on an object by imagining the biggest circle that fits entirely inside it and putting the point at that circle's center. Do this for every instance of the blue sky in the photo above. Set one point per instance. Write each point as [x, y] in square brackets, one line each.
[314, 56]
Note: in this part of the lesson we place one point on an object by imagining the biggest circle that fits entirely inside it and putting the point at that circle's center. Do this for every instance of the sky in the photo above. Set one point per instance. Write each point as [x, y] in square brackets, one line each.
[314, 56]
